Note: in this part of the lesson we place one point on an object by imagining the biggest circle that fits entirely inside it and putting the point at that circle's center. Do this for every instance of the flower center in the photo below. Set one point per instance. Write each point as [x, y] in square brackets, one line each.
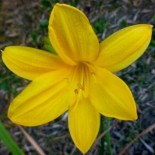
[82, 75]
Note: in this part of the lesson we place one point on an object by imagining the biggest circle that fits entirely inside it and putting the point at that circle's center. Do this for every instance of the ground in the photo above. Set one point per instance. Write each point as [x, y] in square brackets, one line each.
[24, 22]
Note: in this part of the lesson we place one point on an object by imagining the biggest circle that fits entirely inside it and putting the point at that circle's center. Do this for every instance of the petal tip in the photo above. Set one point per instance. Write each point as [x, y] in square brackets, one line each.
[57, 5]
[11, 117]
[147, 26]
[151, 26]
[143, 25]
[83, 149]
[61, 5]
[135, 117]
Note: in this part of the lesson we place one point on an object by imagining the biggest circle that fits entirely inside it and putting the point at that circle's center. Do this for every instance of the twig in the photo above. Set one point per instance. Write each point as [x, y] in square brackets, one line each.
[32, 141]
[150, 128]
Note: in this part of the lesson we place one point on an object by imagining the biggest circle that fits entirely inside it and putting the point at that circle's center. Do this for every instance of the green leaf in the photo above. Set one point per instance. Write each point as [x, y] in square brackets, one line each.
[48, 46]
[9, 142]
[74, 3]
[46, 3]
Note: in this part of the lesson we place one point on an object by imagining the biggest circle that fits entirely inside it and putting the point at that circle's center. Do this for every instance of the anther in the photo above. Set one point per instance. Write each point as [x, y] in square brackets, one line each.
[76, 91]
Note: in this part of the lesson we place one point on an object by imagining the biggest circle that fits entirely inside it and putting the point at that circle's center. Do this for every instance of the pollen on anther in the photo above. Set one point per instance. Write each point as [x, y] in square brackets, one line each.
[76, 91]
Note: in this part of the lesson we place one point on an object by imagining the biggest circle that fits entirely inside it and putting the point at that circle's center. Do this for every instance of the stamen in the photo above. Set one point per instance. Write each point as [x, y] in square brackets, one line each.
[82, 75]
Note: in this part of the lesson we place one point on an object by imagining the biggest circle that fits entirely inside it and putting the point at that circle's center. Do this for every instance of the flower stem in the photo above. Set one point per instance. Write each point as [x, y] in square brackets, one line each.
[107, 136]
[102, 149]
[105, 124]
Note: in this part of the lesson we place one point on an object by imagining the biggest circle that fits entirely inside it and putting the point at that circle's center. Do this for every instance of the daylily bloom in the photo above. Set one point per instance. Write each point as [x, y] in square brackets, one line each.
[79, 79]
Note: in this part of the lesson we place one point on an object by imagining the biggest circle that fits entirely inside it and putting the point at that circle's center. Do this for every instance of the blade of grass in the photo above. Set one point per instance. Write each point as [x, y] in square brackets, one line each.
[9, 142]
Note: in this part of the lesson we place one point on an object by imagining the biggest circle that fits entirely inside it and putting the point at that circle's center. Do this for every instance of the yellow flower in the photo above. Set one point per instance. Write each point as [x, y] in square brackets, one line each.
[80, 78]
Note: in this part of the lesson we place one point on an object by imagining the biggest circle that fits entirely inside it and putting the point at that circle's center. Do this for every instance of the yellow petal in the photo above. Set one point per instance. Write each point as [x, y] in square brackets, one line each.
[124, 47]
[43, 100]
[84, 123]
[29, 62]
[72, 35]
[111, 96]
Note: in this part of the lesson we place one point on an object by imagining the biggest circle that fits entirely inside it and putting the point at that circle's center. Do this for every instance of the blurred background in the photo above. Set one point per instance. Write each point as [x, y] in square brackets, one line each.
[25, 22]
